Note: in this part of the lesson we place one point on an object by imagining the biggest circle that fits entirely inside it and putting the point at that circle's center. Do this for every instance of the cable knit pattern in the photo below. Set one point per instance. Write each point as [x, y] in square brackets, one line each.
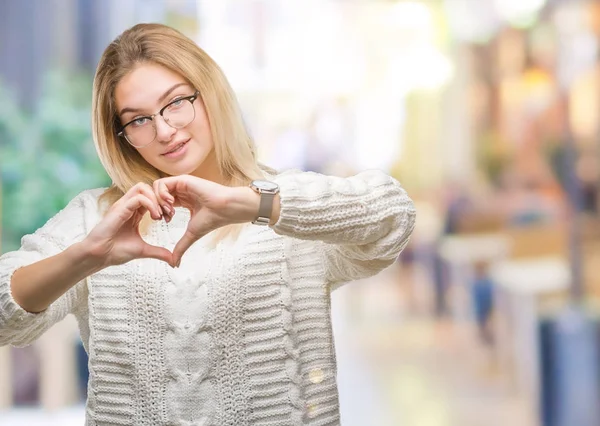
[241, 334]
[270, 352]
[190, 389]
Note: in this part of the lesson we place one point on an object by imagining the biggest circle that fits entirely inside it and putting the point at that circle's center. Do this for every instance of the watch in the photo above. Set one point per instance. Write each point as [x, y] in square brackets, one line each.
[267, 191]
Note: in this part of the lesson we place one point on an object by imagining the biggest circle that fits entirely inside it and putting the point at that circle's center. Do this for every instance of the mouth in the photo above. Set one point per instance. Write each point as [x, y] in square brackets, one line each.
[176, 148]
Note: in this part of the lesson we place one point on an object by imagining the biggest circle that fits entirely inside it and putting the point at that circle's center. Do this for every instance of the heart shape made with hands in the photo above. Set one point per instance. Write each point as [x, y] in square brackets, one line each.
[116, 239]
[206, 201]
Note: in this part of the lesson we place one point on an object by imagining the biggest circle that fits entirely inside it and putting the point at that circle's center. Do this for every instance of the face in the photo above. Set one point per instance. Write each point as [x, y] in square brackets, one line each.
[174, 151]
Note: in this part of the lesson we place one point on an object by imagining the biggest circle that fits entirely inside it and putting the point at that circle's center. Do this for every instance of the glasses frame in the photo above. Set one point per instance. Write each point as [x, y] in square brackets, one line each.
[191, 98]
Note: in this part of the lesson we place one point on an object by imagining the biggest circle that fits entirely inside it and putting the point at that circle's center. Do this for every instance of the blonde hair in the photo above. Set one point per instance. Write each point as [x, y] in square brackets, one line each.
[158, 44]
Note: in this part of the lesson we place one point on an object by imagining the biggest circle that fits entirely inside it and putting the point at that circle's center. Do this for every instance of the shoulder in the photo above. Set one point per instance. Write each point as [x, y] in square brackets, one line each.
[87, 198]
[362, 182]
[72, 222]
[374, 176]
[294, 175]
[94, 193]
[276, 175]
[85, 205]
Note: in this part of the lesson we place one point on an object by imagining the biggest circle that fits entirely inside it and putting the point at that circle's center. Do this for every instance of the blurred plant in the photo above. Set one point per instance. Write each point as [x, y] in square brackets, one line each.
[47, 155]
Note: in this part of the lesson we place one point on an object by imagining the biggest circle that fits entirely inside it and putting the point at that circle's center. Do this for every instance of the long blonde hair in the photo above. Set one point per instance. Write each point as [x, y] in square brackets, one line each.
[158, 44]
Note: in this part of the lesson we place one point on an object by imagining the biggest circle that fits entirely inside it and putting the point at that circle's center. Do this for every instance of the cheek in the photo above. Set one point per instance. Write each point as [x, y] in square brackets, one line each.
[151, 157]
[200, 124]
[205, 135]
[200, 127]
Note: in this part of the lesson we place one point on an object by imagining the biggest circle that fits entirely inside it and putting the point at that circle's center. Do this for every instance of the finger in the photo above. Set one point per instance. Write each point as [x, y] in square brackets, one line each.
[164, 192]
[175, 185]
[183, 245]
[120, 213]
[160, 253]
[146, 190]
[143, 189]
[141, 203]
[164, 199]
[124, 211]
[139, 215]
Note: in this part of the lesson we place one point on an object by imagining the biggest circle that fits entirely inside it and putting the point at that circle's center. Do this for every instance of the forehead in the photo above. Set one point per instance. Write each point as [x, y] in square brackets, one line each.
[144, 85]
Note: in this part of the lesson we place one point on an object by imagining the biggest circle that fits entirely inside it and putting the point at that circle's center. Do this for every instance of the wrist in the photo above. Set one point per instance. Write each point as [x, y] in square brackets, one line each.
[88, 255]
[246, 202]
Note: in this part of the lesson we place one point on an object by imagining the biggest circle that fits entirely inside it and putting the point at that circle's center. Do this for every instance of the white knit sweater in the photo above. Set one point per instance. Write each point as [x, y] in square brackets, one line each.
[262, 347]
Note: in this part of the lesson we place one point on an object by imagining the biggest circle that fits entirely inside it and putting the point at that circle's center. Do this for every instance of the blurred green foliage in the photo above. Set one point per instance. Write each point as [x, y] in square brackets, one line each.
[47, 155]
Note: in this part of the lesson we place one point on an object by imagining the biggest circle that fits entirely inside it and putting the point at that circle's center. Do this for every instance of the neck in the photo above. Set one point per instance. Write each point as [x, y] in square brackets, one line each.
[209, 170]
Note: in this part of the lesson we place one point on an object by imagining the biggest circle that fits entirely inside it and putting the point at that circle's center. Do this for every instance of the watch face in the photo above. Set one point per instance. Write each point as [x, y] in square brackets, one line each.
[265, 185]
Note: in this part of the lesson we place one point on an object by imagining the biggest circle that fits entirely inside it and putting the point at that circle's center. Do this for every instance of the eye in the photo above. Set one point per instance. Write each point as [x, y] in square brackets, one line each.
[176, 104]
[138, 122]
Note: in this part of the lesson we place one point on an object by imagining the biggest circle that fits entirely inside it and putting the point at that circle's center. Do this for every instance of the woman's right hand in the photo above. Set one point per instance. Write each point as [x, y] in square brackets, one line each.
[116, 238]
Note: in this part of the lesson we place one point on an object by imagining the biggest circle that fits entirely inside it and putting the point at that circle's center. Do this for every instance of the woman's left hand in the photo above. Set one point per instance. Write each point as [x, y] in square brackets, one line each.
[211, 206]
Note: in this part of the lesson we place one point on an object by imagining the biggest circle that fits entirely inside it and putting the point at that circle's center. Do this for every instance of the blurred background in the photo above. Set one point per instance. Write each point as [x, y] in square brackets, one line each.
[487, 111]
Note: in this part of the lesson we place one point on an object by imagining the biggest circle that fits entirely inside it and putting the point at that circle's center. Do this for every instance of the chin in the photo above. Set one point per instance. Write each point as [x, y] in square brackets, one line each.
[181, 170]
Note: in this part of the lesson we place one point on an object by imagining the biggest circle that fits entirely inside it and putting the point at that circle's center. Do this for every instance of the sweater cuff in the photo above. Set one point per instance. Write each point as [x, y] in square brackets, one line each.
[294, 205]
[10, 311]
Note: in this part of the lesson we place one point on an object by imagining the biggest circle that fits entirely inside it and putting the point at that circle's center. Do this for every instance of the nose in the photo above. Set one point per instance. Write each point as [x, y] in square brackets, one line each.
[164, 132]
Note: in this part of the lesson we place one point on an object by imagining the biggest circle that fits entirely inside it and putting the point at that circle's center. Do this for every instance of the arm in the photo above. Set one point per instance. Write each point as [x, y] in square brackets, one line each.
[45, 280]
[365, 220]
[37, 286]
[25, 270]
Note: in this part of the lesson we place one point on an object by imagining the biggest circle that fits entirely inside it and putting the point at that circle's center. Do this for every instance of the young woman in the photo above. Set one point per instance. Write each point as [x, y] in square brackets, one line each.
[181, 327]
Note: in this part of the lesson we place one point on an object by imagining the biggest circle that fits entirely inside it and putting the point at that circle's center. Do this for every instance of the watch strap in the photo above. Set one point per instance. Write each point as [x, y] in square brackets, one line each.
[265, 208]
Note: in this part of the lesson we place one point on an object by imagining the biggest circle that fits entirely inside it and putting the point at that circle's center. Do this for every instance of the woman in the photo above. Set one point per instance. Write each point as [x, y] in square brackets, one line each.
[231, 329]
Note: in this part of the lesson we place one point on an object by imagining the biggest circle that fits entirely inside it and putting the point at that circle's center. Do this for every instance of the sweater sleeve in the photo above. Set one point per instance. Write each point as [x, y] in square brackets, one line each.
[17, 326]
[364, 221]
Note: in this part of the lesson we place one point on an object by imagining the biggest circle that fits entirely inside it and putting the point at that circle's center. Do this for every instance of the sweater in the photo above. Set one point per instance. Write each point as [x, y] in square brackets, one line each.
[189, 387]
[265, 328]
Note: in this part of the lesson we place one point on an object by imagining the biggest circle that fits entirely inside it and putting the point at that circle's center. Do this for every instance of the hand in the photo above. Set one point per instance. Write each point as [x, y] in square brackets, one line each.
[211, 206]
[116, 238]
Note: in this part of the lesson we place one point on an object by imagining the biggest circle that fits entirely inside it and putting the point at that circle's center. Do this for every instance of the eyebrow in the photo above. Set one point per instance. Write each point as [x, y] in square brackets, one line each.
[161, 99]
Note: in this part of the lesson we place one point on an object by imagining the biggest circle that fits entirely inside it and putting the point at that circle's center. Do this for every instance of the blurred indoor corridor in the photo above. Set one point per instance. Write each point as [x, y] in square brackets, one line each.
[400, 367]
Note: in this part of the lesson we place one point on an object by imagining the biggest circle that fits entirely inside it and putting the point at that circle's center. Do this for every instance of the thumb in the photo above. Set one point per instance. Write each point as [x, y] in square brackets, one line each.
[160, 253]
[183, 244]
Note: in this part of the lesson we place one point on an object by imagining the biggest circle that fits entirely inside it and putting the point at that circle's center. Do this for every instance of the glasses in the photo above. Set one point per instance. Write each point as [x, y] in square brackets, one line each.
[141, 131]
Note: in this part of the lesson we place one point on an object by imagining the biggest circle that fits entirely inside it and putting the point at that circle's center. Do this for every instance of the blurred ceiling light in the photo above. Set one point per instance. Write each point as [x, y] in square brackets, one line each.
[434, 69]
[409, 14]
[422, 67]
[519, 13]
[471, 20]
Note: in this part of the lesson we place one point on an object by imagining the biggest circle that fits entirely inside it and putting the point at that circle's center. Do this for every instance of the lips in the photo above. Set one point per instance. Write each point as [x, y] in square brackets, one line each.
[175, 147]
